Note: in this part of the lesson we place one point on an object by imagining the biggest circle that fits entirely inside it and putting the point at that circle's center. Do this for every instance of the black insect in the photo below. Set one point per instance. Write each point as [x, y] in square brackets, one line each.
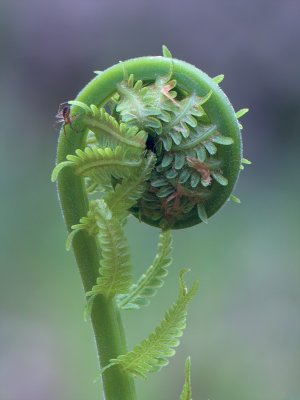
[63, 116]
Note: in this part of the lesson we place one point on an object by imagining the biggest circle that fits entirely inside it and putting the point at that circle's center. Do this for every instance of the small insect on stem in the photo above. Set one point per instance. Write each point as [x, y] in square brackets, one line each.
[63, 116]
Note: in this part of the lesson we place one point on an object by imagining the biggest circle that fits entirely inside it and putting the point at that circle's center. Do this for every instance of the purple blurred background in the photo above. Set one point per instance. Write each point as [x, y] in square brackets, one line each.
[244, 329]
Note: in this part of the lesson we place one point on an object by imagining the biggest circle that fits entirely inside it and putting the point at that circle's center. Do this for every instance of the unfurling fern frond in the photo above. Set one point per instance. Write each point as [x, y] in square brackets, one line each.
[153, 353]
[99, 164]
[115, 266]
[108, 131]
[131, 189]
[149, 282]
[186, 393]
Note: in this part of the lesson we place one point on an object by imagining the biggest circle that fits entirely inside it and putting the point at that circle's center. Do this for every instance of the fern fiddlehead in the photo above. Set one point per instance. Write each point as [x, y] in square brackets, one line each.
[157, 138]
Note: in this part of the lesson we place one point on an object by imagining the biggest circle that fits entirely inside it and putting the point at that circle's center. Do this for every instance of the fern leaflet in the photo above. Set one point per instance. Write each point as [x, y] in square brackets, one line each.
[161, 95]
[153, 353]
[183, 119]
[218, 79]
[149, 282]
[115, 266]
[134, 109]
[166, 52]
[130, 190]
[239, 114]
[87, 223]
[108, 131]
[186, 393]
[99, 164]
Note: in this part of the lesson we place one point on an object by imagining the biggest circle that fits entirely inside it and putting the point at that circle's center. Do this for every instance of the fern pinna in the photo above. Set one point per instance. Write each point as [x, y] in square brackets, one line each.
[153, 352]
[156, 138]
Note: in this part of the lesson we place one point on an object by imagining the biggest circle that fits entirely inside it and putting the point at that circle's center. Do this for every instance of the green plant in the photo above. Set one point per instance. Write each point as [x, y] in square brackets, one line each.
[157, 138]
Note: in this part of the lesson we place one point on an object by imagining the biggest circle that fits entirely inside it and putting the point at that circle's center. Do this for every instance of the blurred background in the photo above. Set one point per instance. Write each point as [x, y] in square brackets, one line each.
[243, 327]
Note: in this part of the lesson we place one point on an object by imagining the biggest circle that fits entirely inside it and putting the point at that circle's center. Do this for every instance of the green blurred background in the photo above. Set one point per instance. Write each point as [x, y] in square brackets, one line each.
[243, 328]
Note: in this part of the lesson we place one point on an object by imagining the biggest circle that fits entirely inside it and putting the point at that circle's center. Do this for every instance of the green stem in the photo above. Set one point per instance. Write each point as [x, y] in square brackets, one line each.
[106, 320]
[110, 340]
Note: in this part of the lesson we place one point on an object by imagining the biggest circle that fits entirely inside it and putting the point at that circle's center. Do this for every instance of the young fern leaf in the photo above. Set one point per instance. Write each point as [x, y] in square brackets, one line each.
[183, 119]
[87, 223]
[130, 190]
[246, 162]
[107, 129]
[179, 186]
[133, 106]
[166, 52]
[186, 393]
[99, 164]
[241, 113]
[115, 267]
[161, 96]
[218, 79]
[234, 199]
[153, 279]
[153, 353]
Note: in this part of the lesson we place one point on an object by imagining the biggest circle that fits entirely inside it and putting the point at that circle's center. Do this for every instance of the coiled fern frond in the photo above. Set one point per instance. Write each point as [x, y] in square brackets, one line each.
[157, 138]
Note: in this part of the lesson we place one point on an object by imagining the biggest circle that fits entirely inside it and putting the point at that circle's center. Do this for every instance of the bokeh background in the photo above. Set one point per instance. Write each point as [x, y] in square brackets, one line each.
[243, 328]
